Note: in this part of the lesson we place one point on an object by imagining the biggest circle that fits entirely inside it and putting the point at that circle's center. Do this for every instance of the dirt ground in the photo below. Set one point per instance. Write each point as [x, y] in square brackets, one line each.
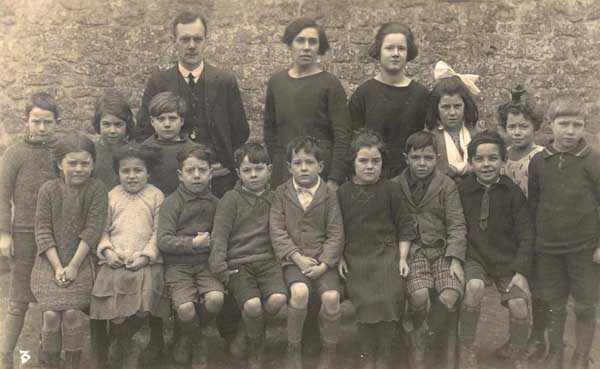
[492, 332]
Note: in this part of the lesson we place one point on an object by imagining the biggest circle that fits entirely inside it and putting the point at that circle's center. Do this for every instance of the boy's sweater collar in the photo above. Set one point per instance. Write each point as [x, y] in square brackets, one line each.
[50, 143]
[248, 195]
[190, 196]
[471, 184]
[581, 150]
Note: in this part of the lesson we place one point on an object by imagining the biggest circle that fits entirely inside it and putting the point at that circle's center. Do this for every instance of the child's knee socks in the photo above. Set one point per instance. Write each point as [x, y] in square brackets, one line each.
[255, 326]
[329, 325]
[73, 338]
[469, 317]
[51, 341]
[519, 331]
[295, 323]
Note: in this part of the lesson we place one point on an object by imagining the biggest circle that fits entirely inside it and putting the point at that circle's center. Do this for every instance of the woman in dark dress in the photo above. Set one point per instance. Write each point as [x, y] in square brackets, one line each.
[391, 103]
[306, 101]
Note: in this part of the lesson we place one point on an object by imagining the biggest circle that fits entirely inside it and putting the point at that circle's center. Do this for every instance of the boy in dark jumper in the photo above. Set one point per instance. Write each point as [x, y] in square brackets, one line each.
[25, 167]
[185, 223]
[307, 233]
[242, 256]
[436, 259]
[499, 246]
[564, 193]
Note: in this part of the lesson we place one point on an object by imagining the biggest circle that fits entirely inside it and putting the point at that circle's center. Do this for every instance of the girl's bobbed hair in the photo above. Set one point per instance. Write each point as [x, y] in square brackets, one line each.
[450, 86]
[149, 154]
[365, 138]
[390, 28]
[72, 142]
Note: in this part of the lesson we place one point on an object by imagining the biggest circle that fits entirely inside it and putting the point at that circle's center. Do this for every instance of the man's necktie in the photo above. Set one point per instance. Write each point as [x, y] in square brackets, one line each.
[191, 82]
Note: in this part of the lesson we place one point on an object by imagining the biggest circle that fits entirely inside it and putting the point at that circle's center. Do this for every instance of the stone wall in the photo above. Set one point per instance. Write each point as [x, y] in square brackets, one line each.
[75, 49]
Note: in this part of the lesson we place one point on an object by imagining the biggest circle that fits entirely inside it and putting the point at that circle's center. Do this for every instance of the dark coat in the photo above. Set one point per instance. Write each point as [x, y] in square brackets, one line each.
[226, 117]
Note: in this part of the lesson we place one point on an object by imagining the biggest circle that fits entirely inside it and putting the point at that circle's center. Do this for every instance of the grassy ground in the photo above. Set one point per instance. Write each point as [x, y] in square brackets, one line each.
[492, 333]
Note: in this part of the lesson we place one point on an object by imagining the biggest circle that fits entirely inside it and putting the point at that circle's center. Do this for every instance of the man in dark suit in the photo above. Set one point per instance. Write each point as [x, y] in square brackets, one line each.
[215, 116]
[215, 113]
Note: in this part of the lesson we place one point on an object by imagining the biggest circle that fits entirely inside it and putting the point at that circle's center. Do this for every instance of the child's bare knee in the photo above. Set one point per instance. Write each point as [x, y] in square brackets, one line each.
[17, 308]
[474, 292]
[420, 299]
[72, 318]
[186, 312]
[52, 320]
[253, 307]
[518, 308]
[300, 293]
[275, 302]
[331, 301]
[448, 298]
[213, 301]
[118, 320]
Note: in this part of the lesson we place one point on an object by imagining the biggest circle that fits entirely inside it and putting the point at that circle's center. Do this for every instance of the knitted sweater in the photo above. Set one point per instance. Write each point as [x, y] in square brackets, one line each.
[241, 229]
[25, 167]
[164, 175]
[564, 195]
[131, 223]
[182, 216]
[103, 166]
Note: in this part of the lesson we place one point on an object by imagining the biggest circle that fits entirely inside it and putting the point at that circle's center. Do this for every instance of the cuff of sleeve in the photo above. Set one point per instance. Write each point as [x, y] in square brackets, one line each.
[288, 255]
[188, 243]
[101, 249]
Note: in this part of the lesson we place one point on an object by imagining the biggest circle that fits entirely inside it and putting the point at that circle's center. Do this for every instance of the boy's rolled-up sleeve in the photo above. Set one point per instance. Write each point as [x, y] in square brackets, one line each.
[334, 241]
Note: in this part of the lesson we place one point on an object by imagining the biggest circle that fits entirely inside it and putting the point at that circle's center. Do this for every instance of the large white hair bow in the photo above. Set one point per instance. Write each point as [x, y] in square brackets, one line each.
[443, 70]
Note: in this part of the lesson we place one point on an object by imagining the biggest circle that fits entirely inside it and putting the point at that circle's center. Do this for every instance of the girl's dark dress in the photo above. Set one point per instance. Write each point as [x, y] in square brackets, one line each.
[375, 220]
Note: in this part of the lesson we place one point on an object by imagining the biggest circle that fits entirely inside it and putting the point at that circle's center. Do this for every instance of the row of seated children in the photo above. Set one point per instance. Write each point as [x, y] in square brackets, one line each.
[493, 209]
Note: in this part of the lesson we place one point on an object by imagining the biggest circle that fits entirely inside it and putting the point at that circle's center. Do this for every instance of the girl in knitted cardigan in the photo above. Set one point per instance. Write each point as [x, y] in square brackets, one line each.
[129, 284]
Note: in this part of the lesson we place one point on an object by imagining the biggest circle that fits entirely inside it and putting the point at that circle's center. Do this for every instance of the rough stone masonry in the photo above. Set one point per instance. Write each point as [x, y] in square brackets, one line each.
[75, 49]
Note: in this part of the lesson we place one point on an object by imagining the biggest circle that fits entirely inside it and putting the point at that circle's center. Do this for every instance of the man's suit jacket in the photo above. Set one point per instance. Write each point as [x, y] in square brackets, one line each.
[226, 118]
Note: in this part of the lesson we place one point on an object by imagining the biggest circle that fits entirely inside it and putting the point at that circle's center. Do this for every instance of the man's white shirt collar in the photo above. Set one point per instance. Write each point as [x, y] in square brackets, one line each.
[196, 72]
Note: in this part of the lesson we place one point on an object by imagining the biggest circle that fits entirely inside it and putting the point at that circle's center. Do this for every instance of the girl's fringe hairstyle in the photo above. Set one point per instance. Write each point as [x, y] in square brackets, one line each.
[366, 138]
[149, 154]
[72, 142]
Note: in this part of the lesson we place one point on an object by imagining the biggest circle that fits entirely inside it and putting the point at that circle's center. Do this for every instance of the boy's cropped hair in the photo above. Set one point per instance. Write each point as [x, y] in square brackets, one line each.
[565, 105]
[187, 18]
[310, 145]
[167, 102]
[297, 25]
[420, 140]
[520, 103]
[487, 137]
[44, 101]
[113, 103]
[198, 151]
[149, 154]
[256, 153]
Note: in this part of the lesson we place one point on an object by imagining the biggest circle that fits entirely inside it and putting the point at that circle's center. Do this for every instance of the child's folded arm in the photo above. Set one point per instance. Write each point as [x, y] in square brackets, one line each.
[150, 250]
[282, 242]
[334, 241]
[96, 216]
[222, 226]
[168, 241]
[9, 169]
[456, 226]
[44, 232]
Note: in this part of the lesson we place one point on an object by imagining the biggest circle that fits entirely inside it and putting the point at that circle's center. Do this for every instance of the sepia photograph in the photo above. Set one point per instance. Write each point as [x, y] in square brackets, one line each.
[299, 184]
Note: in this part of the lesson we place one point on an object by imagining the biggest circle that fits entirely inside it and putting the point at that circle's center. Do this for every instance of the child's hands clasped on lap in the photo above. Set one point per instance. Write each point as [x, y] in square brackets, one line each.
[201, 241]
[303, 262]
[113, 259]
[70, 274]
[315, 271]
[137, 262]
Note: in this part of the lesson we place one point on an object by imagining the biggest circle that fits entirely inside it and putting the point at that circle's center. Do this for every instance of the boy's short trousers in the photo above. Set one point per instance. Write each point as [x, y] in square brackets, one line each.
[256, 279]
[429, 268]
[474, 270]
[572, 274]
[187, 283]
[22, 263]
[330, 280]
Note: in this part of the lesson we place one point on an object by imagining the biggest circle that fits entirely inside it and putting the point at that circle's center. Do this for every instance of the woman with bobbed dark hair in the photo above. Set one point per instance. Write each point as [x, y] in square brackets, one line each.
[305, 100]
[391, 103]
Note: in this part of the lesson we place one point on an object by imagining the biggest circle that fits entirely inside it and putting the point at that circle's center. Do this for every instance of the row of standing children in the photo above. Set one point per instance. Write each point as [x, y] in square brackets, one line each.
[306, 232]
